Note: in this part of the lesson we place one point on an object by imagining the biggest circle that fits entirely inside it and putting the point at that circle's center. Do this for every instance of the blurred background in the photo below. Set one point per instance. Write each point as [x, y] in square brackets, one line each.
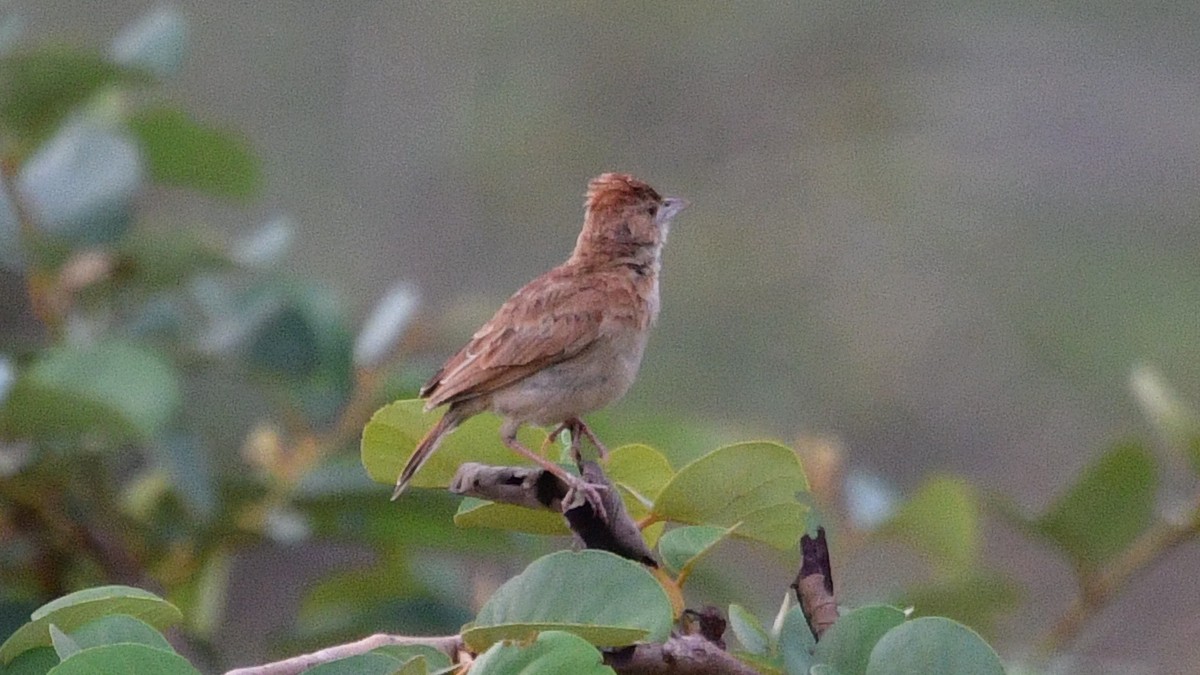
[928, 237]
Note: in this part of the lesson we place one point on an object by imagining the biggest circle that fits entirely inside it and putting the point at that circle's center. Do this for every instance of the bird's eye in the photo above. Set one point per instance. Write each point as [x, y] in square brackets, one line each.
[652, 209]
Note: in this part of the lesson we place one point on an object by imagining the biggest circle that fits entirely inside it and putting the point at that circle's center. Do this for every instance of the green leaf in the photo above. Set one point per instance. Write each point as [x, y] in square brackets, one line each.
[932, 646]
[749, 631]
[64, 646]
[796, 642]
[395, 429]
[848, 643]
[37, 661]
[38, 89]
[125, 658]
[1106, 509]
[118, 628]
[434, 658]
[111, 387]
[752, 485]
[942, 521]
[73, 611]
[682, 547]
[481, 513]
[605, 599]
[185, 153]
[371, 663]
[552, 653]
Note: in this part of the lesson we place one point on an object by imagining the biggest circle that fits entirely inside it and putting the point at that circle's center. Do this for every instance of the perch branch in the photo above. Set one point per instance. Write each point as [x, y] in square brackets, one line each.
[539, 489]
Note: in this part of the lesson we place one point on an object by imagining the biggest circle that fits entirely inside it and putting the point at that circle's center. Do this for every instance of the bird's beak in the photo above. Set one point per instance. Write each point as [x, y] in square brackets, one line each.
[670, 207]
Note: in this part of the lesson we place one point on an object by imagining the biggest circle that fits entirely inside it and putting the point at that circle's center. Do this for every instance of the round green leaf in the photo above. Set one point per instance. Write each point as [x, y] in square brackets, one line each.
[749, 631]
[1106, 509]
[124, 658]
[942, 521]
[36, 661]
[751, 485]
[112, 386]
[70, 612]
[933, 646]
[395, 429]
[796, 642]
[117, 628]
[603, 598]
[552, 653]
[371, 663]
[640, 471]
[848, 643]
[481, 513]
[682, 547]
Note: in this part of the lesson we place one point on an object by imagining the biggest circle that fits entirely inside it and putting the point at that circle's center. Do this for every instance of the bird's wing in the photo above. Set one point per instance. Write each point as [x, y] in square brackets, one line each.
[553, 318]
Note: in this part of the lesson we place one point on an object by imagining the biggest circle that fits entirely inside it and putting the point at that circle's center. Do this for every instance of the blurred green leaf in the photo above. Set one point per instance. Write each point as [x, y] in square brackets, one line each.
[605, 599]
[286, 345]
[125, 658]
[80, 184]
[395, 429]
[189, 465]
[38, 89]
[749, 631]
[1110, 504]
[848, 643]
[941, 521]
[72, 611]
[157, 42]
[116, 628]
[796, 642]
[752, 484]
[185, 153]
[682, 547]
[552, 653]
[976, 599]
[932, 646]
[156, 261]
[113, 387]
[371, 663]
[481, 513]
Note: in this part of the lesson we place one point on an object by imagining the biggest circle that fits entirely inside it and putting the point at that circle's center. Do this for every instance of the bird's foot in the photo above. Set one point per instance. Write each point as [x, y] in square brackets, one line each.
[590, 493]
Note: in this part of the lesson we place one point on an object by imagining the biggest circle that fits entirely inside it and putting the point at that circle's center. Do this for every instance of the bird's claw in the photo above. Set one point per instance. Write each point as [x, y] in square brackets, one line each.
[590, 493]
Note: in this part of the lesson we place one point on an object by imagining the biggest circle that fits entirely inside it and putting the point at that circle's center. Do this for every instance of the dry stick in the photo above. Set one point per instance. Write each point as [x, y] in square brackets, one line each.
[450, 645]
[814, 584]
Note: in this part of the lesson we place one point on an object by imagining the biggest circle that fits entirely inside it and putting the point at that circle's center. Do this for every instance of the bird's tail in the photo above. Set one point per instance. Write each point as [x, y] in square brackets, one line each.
[425, 448]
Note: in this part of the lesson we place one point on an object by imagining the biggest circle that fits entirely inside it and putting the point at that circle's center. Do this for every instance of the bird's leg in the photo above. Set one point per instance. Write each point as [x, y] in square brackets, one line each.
[578, 427]
[590, 492]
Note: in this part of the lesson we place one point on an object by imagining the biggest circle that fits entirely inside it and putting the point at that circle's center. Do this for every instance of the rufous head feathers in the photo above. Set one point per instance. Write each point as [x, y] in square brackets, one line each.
[626, 218]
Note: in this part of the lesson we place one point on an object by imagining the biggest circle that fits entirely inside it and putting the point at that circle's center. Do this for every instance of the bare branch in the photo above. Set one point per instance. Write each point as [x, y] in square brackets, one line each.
[450, 645]
[536, 488]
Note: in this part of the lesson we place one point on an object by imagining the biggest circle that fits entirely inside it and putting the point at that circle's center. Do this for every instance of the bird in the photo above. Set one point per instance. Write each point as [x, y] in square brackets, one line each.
[567, 343]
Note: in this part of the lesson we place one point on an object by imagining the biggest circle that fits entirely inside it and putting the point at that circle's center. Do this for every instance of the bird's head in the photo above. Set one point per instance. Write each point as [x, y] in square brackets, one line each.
[626, 218]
